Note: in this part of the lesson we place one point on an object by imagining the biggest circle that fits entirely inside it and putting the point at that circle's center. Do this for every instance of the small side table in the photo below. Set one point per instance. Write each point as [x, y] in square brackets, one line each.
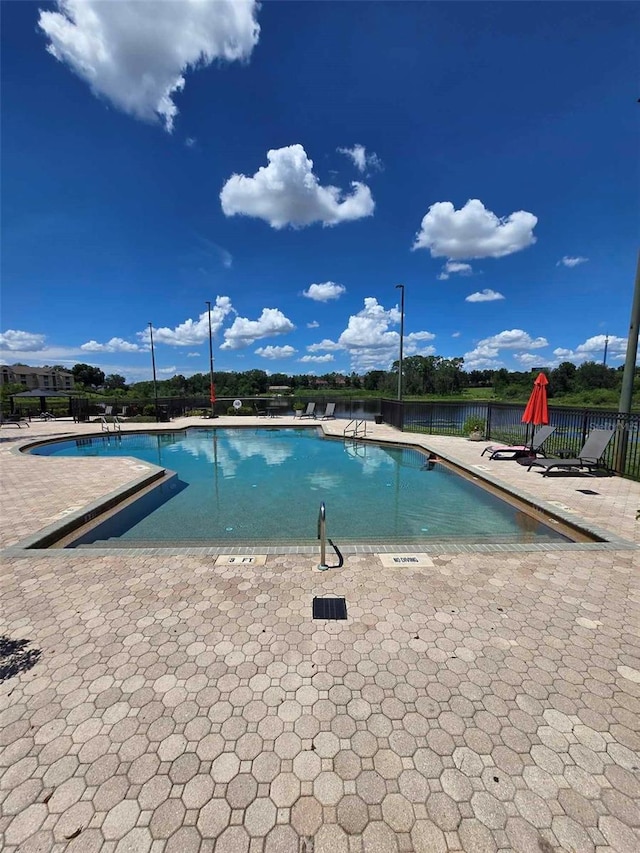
[564, 453]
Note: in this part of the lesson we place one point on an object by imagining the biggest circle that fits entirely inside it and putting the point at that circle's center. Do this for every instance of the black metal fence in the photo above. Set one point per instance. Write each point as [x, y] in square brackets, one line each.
[82, 408]
[502, 423]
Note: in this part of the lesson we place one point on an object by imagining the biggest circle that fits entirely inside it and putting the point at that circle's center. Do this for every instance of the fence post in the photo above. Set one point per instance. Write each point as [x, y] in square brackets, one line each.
[622, 445]
[585, 426]
[488, 431]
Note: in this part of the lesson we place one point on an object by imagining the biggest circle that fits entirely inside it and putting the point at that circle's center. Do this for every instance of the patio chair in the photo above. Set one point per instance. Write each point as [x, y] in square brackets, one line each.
[14, 420]
[329, 412]
[588, 457]
[309, 412]
[515, 451]
[261, 413]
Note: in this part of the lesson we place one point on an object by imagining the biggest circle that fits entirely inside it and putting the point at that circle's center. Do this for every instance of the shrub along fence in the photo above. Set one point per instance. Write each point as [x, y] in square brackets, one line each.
[503, 424]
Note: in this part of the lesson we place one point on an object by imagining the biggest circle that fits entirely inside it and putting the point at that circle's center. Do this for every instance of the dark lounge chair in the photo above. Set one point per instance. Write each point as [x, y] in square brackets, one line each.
[588, 457]
[14, 420]
[516, 451]
[309, 412]
[261, 413]
[329, 412]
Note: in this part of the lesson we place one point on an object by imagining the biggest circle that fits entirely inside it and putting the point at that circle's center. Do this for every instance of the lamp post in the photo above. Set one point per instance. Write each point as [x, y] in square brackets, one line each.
[212, 389]
[401, 288]
[153, 364]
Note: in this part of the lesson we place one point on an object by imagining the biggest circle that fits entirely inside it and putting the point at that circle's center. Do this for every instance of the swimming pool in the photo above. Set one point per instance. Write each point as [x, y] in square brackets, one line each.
[241, 486]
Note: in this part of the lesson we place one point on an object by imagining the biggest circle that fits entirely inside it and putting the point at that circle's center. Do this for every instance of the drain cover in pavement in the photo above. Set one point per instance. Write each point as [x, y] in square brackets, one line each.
[329, 608]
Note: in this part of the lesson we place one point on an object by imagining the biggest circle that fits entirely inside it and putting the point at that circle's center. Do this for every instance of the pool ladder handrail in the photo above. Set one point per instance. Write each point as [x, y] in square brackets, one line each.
[322, 536]
[355, 425]
[104, 424]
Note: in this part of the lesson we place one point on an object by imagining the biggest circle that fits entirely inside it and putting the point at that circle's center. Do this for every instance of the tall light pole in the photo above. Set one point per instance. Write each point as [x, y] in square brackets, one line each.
[153, 364]
[626, 392]
[212, 389]
[628, 375]
[606, 347]
[401, 288]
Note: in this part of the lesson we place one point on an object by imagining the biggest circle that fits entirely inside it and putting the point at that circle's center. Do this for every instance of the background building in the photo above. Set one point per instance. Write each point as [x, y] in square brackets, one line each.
[41, 378]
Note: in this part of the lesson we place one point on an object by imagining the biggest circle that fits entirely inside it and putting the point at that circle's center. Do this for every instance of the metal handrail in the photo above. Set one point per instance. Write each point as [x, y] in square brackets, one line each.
[355, 424]
[117, 424]
[322, 536]
[104, 426]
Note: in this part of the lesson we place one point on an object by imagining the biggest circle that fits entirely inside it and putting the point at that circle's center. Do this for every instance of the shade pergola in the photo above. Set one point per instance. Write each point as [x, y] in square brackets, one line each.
[43, 395]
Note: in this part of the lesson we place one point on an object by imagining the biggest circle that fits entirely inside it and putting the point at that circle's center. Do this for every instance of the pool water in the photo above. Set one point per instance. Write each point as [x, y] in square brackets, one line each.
[247, 485]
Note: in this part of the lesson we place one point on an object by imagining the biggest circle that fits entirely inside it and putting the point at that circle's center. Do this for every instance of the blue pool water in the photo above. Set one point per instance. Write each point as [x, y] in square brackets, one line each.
[247, 485]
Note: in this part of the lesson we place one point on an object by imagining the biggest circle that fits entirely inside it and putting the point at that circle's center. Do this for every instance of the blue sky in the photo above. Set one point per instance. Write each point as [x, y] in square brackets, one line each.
[293, 162]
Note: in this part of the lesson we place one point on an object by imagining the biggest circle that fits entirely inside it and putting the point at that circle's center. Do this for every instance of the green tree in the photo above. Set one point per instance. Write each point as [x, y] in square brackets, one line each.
[562, 379]
[115, 382]
[87, 375]
[10, 388]
[591, 375]
[373, 380]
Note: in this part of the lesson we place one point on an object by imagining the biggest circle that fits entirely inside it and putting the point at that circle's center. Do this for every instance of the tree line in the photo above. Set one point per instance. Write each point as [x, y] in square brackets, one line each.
[422, 376]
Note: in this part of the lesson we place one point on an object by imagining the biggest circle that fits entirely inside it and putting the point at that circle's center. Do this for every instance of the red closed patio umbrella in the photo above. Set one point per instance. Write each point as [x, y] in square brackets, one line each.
[536, 411]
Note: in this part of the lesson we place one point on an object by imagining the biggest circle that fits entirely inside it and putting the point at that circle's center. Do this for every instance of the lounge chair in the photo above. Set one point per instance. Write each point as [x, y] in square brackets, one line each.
[329, 412]
[309, 412]
[261, 413]
[515, 451]
[588, 457]
[14, 420]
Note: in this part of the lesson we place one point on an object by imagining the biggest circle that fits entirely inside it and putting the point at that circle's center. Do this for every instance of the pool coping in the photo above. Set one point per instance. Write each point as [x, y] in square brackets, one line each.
[33, 544]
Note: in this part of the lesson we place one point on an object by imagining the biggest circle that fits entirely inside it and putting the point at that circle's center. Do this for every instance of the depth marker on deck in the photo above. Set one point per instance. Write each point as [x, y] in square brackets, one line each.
[241, 560]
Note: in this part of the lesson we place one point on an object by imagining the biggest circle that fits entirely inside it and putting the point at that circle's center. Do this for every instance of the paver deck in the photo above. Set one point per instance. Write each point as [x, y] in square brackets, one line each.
[151, 702]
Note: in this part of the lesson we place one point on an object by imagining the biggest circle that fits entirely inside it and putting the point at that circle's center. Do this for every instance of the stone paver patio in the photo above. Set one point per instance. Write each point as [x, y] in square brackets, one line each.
[158, 702]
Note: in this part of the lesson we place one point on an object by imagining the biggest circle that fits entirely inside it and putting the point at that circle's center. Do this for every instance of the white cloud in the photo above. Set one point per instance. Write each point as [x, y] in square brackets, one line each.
[325, 344]
[193, 355]
[313, 324]
[514, 339]
[456, 334]
[243, 332]
[276, 352]
[485, 295]
[168, 371]
[316, 359]
[114, 345]
[529, 360]
[593, 350]
[361, 159]
[14, 340]
[226, 258]
[136, 53]
[473, 231]
[286, 192]
[190, 142]
[481, 359]
[369, 327]
[486, 352]
[191, 333]
[368, 340]
[453, 267]
[324, 292]
[568, 261]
